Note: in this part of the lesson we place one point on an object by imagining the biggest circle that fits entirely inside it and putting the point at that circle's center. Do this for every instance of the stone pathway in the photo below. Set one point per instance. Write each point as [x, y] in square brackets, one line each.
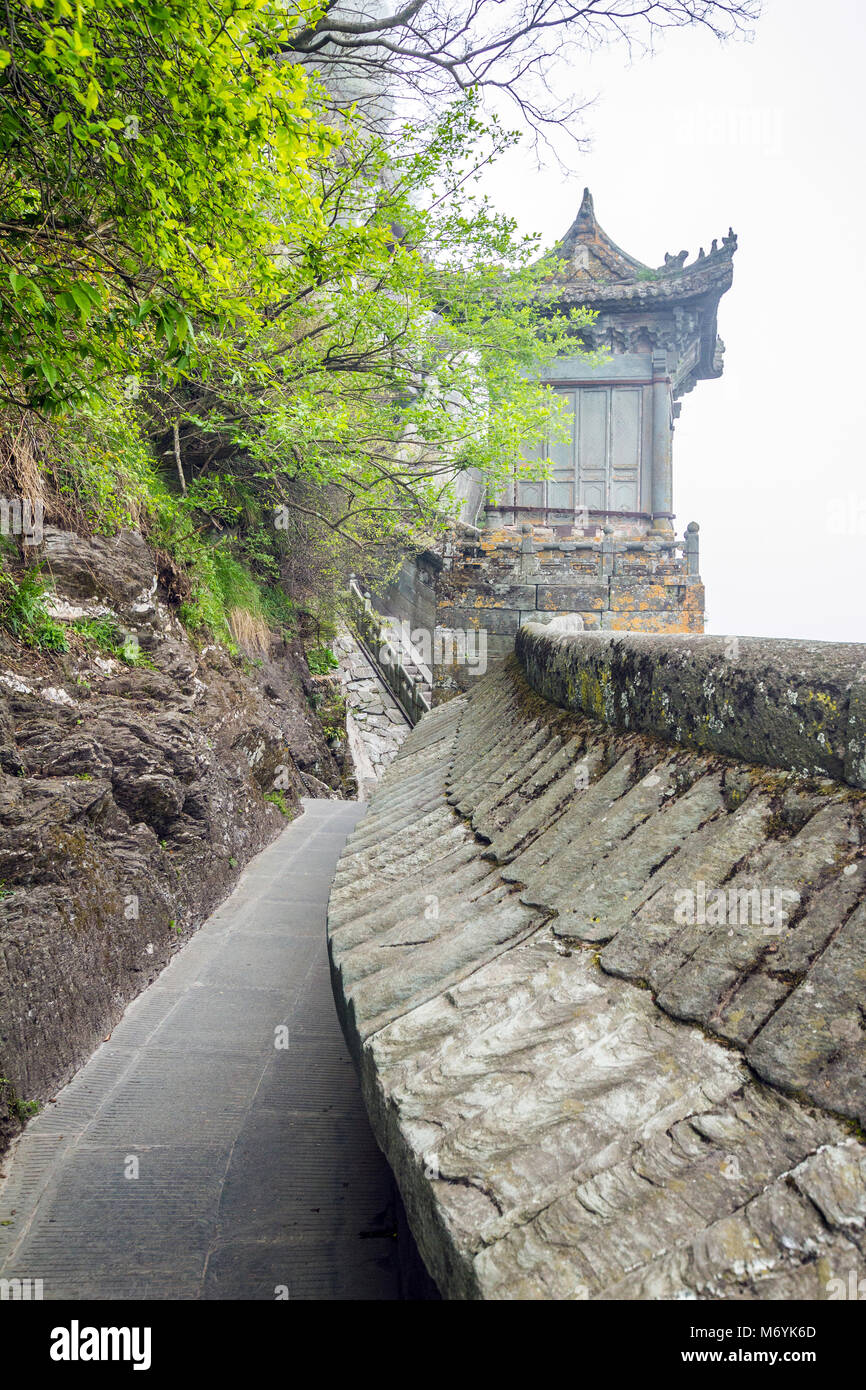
[196, 1155]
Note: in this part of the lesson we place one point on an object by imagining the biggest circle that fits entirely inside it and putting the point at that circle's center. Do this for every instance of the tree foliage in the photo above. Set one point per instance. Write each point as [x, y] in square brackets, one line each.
[305, 317]
[404, 348]
[146, 150]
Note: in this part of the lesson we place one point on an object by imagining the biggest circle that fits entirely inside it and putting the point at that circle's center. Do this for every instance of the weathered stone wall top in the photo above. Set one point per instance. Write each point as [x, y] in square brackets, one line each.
[795, 705]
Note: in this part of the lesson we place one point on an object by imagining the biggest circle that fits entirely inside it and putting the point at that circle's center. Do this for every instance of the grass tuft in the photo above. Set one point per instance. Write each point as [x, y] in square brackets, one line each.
[23, 612]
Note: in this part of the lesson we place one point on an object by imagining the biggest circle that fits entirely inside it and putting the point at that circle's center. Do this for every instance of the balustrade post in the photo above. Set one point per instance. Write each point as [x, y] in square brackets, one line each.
[692, 548]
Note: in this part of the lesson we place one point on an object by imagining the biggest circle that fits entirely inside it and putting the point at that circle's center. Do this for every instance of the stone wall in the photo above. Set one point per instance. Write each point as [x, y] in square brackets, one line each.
[508, 577]
[792, 704]
[411, 596]
[375, 724]
[606, 992]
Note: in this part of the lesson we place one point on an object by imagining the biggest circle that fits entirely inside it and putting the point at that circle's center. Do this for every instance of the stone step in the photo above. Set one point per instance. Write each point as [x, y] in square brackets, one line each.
[563, 837]
[494, 765]
[538, 814]
[384, 896]
[398, 867]
[422, 972]
[563, 756]
[615, 876]
[429, 801]
[731, 949]
[531, 756]
[406, 836]
[386, 947]
[451, 888]
[814, 1043]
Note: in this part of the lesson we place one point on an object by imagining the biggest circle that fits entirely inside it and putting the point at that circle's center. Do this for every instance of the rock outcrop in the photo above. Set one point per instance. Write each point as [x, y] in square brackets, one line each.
[606, 994]
[131, 797]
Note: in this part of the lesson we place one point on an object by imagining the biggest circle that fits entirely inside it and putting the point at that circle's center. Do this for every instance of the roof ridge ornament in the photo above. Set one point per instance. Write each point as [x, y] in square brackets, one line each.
[716, 253]
[586, 211]
[592, 255]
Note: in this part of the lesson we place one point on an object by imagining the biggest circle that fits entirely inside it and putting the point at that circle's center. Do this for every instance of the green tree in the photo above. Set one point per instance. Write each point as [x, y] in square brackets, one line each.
[403, 349]
[144, 150]
[304, 320]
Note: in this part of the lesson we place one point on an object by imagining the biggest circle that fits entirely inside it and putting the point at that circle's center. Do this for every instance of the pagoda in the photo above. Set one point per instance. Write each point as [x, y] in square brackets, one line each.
[593, 543]
[657, 330]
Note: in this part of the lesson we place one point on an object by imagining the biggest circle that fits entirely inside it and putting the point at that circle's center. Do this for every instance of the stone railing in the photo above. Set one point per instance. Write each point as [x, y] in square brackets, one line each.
[384, 653]
[602, 556]
[790, 704]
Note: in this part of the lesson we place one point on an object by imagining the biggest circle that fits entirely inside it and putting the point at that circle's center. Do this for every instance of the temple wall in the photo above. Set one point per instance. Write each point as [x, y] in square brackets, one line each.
[506, 578]
[411, 596]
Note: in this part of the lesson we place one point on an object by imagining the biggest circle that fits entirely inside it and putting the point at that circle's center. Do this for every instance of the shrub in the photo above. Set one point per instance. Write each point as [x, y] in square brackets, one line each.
[321, 660]
[106, 634]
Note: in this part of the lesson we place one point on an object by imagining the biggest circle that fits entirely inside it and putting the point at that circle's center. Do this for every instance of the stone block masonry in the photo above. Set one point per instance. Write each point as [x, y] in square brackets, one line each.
[605, 988]
[505, 578]
[375, 725]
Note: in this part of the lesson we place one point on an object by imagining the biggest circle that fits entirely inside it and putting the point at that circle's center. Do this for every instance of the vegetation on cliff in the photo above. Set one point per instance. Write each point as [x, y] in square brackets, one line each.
[262, 338]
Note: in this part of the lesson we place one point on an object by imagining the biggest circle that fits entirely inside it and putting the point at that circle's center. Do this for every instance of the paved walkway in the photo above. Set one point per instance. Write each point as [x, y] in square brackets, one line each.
[257, 1173]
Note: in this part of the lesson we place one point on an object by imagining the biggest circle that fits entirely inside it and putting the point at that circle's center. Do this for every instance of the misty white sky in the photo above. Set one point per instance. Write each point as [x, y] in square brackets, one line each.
[770, 138]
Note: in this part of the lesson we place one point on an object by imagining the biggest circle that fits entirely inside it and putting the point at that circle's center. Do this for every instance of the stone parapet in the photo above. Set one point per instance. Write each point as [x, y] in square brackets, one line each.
[789, 704]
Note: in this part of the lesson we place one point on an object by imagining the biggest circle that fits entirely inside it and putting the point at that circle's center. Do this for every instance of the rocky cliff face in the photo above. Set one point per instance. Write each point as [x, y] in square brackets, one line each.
[131, 797]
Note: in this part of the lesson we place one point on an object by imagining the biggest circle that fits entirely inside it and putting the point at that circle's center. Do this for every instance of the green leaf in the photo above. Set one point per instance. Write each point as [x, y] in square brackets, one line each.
[82, 301]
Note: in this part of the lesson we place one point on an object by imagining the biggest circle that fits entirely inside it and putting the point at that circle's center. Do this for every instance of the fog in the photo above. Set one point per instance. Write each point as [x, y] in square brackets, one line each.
[767, 137]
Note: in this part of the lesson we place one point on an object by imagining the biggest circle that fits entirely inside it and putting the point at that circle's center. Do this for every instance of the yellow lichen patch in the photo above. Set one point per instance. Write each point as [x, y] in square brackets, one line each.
[823, 699]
